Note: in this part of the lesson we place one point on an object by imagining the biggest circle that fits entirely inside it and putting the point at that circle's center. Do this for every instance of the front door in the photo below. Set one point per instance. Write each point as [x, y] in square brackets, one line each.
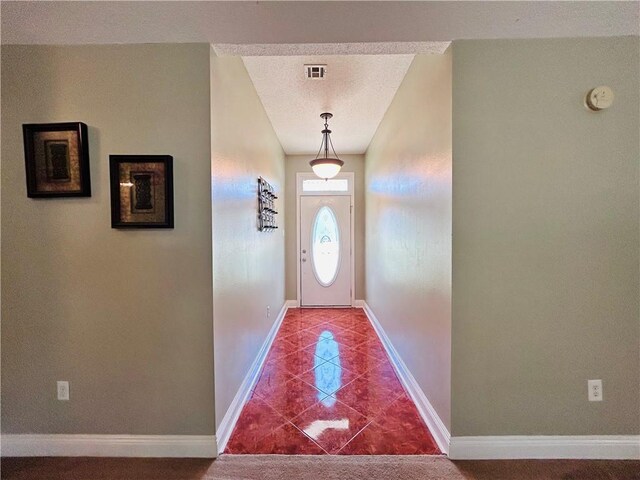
[325, 250]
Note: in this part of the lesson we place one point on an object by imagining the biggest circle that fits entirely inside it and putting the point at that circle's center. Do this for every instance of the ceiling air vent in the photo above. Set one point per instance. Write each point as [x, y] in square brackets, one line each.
[315, 72]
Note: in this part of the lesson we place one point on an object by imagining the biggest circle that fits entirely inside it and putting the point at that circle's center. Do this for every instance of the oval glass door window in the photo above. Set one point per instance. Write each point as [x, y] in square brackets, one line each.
[325, 246]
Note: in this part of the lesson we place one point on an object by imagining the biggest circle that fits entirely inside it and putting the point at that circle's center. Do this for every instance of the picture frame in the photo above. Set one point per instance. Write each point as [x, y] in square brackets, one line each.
[57, 159]
[141, 191]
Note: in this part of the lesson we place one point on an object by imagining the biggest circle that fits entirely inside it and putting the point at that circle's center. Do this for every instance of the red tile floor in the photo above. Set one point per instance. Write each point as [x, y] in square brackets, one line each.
[328, 387]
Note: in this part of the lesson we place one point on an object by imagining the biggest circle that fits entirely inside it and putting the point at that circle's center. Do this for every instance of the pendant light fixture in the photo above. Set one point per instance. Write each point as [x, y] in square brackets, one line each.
[326, 167]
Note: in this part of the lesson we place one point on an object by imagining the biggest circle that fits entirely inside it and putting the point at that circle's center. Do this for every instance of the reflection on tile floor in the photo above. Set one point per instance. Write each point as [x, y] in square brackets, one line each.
[328, 387]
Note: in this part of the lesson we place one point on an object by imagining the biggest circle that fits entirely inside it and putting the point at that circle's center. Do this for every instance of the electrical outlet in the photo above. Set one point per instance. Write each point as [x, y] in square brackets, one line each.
[268, 311]
[63, 390]
[595, 390]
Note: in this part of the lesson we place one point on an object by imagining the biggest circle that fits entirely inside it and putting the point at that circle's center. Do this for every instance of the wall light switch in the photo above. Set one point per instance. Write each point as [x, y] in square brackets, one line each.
[595, 390]
[63, 390]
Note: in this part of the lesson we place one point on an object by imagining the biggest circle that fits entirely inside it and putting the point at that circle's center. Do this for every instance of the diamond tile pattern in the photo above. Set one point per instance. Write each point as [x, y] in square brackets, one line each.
[328, 387]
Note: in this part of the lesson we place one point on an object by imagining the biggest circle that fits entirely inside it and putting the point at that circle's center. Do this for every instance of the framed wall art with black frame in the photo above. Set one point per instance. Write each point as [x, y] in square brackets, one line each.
[141, 191]
[57, 159]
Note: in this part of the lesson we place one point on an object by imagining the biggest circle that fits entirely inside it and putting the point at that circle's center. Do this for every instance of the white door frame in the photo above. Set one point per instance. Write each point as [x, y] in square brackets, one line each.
[300, 176]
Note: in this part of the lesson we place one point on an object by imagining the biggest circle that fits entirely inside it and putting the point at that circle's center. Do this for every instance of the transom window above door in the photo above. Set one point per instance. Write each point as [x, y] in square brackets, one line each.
[320, 185]
[309, 184]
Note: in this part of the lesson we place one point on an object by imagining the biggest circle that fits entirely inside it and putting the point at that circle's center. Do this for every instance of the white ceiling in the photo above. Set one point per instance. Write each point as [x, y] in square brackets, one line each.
[253, 22]
[357, 90]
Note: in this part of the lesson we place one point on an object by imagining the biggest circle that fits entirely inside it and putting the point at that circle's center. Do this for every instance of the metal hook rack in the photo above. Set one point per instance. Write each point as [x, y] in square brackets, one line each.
[266, 206]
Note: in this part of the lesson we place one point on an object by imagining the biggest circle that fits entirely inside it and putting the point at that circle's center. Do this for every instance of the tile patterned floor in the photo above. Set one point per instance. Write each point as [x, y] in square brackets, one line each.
[328, 387]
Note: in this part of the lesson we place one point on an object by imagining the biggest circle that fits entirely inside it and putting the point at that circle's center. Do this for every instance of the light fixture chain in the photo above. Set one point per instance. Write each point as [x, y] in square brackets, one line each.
[326, 143]
[334, 150]
[320, 149]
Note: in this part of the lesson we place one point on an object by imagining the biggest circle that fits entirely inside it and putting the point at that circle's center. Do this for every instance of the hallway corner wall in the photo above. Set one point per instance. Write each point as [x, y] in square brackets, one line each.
[408, 226]
[546, 237]
[248, 265]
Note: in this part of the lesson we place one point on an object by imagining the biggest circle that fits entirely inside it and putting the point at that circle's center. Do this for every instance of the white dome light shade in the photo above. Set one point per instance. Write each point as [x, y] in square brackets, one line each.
[326, 167]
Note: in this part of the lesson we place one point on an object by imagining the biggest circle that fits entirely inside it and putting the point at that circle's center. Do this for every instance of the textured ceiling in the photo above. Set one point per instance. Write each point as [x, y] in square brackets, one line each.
[42, 22]
[308, 49]
[357, 90]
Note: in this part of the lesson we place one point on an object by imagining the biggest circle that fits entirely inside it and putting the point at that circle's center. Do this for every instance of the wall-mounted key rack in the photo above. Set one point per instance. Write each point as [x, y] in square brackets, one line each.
[266, 206]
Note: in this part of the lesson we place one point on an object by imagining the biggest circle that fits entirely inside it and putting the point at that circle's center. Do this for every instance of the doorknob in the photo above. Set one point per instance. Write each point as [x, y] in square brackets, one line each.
[304, 251]
[304, 259]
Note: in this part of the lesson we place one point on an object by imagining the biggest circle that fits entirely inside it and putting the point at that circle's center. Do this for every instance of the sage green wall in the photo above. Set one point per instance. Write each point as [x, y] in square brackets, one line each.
[124, 316]
[248, 265]
[545, 237]
[408, 225]
[300, 163]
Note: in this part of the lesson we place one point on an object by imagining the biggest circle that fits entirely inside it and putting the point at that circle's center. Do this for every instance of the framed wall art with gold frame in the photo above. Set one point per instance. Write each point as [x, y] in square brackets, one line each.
[57, 159]
[141, 191]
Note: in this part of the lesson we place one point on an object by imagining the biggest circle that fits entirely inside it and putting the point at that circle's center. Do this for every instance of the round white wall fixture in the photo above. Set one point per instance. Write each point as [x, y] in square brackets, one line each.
[599, 98]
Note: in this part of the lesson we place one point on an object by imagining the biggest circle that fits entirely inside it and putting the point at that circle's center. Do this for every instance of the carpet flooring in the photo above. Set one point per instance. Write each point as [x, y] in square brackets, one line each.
[272, 467]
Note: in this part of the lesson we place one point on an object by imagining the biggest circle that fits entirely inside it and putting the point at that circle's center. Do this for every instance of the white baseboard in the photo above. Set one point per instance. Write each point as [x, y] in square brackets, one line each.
[61, 445]
[611, 447]
[426, 410]
[295, 304]
[233, 412]
[614, 447]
